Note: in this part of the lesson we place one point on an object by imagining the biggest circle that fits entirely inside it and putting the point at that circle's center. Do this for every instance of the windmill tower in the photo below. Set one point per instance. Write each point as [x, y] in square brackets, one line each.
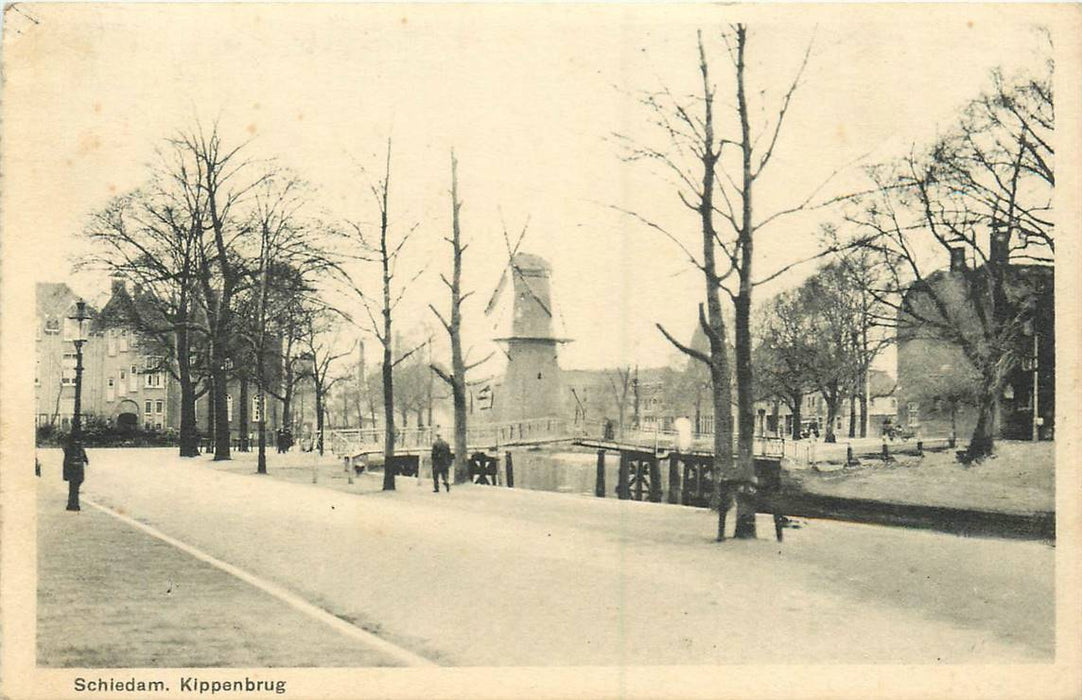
[531, 386]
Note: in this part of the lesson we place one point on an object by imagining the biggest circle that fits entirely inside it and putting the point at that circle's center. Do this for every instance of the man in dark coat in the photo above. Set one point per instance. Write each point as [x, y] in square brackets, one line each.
[441, 461]
[75, 461]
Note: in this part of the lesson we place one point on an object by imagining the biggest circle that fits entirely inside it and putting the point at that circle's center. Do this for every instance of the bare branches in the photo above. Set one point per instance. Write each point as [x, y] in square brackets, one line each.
[690, 352]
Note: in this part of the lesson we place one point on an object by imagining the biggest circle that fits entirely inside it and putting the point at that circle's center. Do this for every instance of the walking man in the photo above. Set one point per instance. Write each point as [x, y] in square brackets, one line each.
[441, 461]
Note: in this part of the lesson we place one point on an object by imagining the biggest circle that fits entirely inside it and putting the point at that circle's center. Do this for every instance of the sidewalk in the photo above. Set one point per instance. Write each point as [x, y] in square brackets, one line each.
[111, 595]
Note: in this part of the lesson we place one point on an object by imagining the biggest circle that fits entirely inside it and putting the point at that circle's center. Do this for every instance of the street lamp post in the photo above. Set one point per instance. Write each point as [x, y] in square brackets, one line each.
[74, 454]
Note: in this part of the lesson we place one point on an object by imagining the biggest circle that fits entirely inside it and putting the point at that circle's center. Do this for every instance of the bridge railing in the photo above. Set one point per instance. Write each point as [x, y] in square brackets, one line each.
[654, 437]
[490, 436]
[344, 441]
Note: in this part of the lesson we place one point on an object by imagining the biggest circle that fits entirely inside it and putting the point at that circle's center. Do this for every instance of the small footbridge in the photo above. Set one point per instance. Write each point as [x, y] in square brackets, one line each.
[537, 432]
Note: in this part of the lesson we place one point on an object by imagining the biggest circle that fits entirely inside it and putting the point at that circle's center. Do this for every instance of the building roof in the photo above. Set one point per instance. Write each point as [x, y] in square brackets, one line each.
[880, 383]
[55, 300]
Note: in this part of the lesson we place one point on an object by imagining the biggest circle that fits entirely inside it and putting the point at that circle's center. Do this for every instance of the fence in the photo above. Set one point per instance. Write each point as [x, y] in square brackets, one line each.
[809, 453]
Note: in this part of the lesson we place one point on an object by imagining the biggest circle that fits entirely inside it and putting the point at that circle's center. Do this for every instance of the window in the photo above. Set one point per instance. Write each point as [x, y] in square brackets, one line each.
[152, 380]
[913, 411]
[110, 389]
[123, 341]
[123, 374]
[110, 343]
[52, 325]
[134, 370]
[159, 406]
[67, 373]
[147, 406]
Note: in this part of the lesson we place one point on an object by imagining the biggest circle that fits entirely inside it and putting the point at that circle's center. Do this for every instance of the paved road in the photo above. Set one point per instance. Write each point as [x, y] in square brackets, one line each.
[488, 576]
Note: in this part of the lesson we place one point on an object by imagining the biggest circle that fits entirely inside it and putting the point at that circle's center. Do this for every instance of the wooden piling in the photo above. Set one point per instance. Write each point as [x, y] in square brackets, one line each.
[599, 487]
[674, 479]
[655, 482]
[623, 491]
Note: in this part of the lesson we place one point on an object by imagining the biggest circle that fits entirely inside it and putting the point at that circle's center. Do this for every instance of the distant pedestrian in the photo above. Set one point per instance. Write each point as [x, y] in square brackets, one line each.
[441, 462]
[75, 461]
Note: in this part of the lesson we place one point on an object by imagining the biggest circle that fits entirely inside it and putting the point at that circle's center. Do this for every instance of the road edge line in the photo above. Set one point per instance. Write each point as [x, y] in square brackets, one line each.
[404, 655]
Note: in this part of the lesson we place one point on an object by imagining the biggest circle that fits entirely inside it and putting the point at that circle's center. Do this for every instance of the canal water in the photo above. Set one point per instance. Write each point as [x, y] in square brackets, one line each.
[563, 470]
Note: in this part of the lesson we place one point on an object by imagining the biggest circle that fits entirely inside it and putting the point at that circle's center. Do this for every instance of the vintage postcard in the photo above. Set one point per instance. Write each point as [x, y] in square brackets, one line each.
[540, 350]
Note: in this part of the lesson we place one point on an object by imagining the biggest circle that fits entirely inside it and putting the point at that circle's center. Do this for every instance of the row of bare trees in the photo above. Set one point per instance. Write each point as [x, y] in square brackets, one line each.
[228, 267]
[220, 258]
[716, 162]
[822, 337]
[985, 186]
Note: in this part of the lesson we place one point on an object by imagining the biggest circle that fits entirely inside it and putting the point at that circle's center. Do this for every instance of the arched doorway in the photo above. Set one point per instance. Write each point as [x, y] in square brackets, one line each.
[127, 417]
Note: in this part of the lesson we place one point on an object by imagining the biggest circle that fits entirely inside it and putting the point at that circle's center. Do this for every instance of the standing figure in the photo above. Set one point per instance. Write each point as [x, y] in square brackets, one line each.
[441, 462]
[75, 461]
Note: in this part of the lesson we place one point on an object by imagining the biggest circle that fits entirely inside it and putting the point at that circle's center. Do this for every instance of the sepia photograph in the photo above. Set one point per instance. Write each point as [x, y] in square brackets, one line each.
[539, 350]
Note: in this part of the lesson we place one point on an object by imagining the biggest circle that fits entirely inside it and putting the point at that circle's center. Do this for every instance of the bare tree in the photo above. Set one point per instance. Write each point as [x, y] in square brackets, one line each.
[981, 193]
[384, 252]
[697, 192]
[223, 179]
[322, 349]
[284, 259]
[781, 360]
[456, 378]
[620, 385]
[152, 237]
[710, 189]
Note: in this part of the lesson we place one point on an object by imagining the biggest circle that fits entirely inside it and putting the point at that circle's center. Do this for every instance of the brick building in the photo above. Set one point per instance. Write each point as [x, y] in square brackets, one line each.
[125, 381]
[936, 381]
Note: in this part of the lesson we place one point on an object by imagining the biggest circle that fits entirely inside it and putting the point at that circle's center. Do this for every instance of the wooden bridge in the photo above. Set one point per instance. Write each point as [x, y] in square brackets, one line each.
[497, 437]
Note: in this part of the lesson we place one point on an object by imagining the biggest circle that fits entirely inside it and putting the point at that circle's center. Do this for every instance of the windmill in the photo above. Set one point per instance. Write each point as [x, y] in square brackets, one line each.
[531, 386]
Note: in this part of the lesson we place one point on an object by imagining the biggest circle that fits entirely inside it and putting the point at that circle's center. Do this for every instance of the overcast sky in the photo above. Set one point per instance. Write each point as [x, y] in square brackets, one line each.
[528, 96]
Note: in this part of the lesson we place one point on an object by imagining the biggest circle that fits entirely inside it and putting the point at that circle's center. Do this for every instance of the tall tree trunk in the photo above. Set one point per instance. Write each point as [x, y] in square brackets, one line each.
[797, 399]
[832, 414]
[211, 413]
[319, 418]
[714, 322]
[388, 413]
[287, 403]
[189, 432]
[242, 414]
[261, 401]
[458, 362]
[864, 410]
[745, 391]
[852, 415]
[221, 413]
[982, 443]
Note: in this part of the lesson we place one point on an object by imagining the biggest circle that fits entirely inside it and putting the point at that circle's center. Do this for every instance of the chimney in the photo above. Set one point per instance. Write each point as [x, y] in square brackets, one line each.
[958, 258]
[999, 244]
